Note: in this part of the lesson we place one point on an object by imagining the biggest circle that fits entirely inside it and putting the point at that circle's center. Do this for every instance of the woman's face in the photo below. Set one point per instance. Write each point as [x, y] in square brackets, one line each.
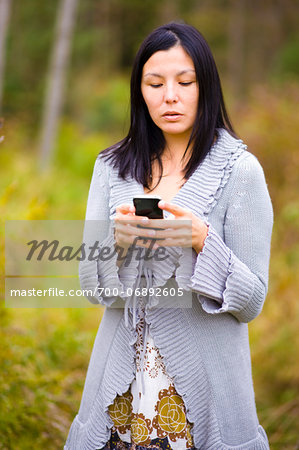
[170, 91]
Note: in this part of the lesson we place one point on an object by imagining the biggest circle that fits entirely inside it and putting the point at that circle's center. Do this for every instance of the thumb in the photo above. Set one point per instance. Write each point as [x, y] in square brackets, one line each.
[173, 209]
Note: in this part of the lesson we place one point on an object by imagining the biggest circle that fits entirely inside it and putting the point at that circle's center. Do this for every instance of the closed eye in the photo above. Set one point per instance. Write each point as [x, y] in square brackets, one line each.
[182, 83]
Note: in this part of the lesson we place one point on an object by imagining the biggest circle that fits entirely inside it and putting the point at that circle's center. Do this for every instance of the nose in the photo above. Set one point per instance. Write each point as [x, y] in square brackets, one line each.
[171, 95]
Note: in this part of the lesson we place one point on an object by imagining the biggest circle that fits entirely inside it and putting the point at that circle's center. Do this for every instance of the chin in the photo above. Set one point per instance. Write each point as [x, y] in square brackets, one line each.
[174, 130]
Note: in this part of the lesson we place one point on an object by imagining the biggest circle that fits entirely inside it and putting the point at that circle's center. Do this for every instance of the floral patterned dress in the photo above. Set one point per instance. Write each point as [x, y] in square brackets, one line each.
[150, 414]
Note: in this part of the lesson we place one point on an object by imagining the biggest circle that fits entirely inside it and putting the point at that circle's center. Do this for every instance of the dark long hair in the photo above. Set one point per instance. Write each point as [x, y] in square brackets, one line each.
[145, 142]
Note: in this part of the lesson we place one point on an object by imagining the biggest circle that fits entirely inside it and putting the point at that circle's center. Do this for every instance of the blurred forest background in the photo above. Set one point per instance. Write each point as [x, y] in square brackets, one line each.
[64, 93]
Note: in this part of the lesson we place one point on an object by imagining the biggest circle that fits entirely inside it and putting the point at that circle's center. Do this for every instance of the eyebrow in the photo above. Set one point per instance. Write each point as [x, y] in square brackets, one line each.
[161, 76]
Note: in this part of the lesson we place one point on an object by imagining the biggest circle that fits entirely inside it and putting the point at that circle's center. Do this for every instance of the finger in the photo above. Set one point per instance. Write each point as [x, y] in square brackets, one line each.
[139, 241]
[130, 219]
[172, 208]
[127, 228]
[169, 242]
[125, 208]
[127, 239]
[146, 243]
[168, 223]
[184, 233]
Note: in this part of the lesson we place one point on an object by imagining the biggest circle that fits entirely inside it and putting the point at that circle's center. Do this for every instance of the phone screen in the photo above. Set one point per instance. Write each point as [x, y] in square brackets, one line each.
[148, 206]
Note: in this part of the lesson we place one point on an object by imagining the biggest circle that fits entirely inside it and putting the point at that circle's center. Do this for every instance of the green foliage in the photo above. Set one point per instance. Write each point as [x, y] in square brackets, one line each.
[30, 37]
[76, 153]
[287, 61]
[44, 352]
[268, 123]
[108, 34]
[109, 106]
[44, 362]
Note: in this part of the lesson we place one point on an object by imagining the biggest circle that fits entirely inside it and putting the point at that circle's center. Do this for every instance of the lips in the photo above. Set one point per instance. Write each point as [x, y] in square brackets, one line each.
[172, 115]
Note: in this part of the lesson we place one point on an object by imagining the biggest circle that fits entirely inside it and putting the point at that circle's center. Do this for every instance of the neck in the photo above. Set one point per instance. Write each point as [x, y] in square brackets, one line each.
[175, 147]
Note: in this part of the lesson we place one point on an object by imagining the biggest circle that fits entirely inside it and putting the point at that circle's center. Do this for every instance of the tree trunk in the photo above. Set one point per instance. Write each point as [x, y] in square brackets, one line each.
[236, 49]
[5, 6]
[57, 75]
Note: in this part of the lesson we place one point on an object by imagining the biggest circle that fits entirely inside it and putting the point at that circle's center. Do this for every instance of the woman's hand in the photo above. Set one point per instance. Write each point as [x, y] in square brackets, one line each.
[184, 229]
[180, 233]
[127, 230]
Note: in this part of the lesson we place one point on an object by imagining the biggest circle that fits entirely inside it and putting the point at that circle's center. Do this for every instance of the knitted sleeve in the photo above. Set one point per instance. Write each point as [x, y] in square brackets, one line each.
[98, 278]
[231, 274]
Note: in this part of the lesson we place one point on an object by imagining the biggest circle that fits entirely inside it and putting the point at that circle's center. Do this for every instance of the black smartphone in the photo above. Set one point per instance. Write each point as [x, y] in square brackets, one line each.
[147, 205]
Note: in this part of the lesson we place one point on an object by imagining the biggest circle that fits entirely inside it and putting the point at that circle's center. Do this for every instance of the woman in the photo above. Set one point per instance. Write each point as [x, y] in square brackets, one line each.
[175, 375]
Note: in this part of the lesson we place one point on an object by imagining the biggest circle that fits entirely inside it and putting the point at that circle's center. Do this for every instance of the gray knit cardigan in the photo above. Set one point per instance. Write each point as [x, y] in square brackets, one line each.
[205, 347]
